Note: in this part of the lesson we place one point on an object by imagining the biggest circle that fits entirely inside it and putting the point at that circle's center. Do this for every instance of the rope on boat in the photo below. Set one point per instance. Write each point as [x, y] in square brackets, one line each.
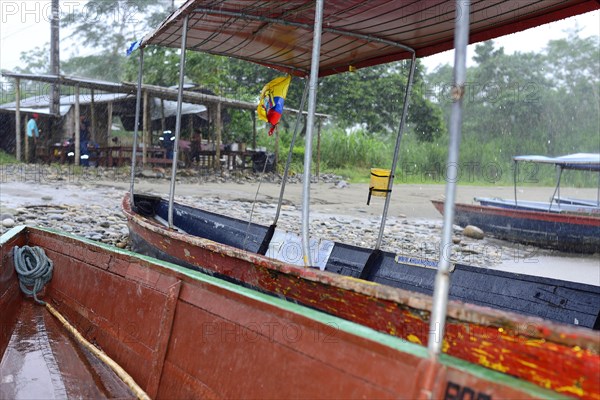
[262, 175]
[34, 270]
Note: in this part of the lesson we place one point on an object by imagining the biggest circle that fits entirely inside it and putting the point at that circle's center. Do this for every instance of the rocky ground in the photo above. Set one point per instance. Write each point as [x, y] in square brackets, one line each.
[85, 208]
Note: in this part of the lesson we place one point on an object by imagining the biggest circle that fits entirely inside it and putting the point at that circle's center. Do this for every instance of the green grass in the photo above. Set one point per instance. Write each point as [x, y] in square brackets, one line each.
[482, 164]
[6, 158]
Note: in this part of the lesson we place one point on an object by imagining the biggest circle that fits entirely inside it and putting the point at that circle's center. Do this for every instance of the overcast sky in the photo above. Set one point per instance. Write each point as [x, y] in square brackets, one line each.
[25, 25]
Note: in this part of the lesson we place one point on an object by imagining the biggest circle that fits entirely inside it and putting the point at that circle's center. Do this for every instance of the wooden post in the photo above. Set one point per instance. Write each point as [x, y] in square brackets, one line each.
[145, 130]
[163, 122]
[93, 116]
[318, 163]
[253, 131]
[219, 128]
[109, 109]
[18, 120]
[77, 127]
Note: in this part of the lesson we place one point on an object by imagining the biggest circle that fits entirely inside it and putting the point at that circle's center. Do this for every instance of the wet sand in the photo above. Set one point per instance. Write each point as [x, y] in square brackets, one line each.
[410, 202]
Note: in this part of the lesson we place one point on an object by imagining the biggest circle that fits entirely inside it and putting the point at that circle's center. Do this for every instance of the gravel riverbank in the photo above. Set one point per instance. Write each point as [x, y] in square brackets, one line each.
[92, 208]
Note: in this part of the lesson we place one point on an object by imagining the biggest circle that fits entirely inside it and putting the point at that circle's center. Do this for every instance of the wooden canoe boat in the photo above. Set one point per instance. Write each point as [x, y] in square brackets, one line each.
[563, 206]
[561, 231]
[518, 345]
[183, 334]
[212, 243]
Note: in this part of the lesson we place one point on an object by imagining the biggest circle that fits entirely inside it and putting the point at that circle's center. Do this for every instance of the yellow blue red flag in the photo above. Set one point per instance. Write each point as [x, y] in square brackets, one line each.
[272, 96]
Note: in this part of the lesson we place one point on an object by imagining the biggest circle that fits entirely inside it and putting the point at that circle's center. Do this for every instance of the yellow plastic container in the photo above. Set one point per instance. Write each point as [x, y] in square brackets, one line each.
[379, 182]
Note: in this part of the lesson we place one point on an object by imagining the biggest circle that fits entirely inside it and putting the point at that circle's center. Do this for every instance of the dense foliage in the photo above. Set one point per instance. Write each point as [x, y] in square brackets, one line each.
[537, 103]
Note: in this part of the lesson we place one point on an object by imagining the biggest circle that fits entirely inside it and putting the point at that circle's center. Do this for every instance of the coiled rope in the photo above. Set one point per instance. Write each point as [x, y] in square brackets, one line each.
[34, 270]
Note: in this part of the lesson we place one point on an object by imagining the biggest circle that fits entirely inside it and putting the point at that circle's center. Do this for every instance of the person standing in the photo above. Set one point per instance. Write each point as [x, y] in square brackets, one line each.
[84, 138]
[33, 134]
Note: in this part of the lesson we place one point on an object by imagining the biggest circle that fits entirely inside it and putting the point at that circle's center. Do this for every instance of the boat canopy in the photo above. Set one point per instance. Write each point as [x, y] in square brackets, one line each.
[356, 33]
[579, 161]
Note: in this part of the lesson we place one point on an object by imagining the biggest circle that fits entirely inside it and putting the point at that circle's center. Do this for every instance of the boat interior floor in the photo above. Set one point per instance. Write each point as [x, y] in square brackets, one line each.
[43, 361]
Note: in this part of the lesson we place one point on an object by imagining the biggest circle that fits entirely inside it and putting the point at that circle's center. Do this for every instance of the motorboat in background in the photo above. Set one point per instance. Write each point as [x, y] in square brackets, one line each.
[570, 225]
[561, 231]
[578, 162]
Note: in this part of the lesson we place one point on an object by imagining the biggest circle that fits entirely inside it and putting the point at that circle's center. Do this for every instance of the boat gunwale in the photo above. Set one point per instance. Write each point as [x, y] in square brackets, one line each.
[458, 311]
[379, 339]
[576, 219]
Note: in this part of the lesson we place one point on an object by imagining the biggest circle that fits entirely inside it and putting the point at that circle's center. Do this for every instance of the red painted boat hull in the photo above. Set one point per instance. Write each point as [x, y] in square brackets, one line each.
[181, 334]
[546, 354]
[561, 231]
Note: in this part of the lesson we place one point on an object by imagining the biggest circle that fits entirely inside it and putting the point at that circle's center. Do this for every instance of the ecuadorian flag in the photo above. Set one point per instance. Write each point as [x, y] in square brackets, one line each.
[272, 96]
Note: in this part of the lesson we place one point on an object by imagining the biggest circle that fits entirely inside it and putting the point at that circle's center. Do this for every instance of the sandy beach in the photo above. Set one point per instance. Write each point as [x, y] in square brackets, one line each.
[333, 206]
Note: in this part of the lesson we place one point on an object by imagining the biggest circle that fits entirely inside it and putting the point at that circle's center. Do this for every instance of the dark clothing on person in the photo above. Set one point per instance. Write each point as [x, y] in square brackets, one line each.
[167, 141]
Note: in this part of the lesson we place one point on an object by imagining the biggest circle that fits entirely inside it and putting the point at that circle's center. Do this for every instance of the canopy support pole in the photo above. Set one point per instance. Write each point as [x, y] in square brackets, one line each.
[598, 193]
[376, 255]
[138, 101]
[556, 193]
[442, 279]
[178, 118]
[386, 206]
[289, 157]
[515, 175]
[264, 246]
[310, 122]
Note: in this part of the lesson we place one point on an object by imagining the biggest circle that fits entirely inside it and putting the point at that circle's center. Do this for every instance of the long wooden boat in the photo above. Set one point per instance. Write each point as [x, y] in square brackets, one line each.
[394, 311]
[212, 243]
[182, 334]
[561, 231]
[565, 206]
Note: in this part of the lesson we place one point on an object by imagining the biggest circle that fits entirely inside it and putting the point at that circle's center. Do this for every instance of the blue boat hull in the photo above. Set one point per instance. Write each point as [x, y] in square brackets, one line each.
[565, 232]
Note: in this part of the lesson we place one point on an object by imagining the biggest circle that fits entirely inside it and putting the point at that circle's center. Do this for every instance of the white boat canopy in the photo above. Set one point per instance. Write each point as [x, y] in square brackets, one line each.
[580, 161]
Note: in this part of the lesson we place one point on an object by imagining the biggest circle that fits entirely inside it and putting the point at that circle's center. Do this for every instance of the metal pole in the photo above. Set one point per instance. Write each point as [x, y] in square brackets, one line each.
[289, 157]
[178, 118]
[516, 173]
[18, 119]
[442, 279]
[386, 206]
[556, 189]
[310, 122]
[138, 101]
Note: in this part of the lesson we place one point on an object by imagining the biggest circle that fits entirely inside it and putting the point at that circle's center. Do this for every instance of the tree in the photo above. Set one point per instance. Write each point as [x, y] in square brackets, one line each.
[109, 27]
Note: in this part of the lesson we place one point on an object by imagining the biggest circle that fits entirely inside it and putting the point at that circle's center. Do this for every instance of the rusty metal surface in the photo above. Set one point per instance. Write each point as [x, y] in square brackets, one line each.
[356, 33]
[554, 356]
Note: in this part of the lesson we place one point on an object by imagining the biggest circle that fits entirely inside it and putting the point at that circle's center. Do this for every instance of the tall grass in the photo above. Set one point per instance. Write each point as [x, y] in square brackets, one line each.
[481, 163]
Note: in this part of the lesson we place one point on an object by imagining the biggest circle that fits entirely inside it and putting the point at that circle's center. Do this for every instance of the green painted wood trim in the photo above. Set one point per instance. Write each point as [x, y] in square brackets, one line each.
[330, 320]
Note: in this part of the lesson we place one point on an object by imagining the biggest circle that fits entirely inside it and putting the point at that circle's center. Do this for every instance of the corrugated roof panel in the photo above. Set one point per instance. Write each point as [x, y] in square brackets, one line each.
[355, 32]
